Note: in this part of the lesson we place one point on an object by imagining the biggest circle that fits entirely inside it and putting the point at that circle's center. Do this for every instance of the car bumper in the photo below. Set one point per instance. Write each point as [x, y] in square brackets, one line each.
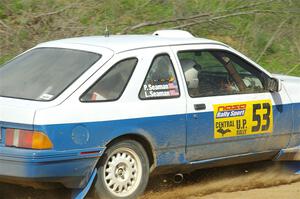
[71, 168]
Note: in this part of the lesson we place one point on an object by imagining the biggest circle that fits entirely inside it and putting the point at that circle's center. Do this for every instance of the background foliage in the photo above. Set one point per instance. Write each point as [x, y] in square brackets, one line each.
[268, 31]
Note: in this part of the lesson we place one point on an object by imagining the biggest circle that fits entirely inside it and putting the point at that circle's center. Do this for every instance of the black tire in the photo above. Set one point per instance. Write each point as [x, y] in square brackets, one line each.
[126, 163]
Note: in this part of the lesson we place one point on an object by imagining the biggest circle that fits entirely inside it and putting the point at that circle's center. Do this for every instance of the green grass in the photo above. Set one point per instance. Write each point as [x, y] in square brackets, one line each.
[30, 22]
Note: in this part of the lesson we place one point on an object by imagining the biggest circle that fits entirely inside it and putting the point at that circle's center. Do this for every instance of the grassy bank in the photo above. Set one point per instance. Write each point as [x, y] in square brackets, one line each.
[268, 31]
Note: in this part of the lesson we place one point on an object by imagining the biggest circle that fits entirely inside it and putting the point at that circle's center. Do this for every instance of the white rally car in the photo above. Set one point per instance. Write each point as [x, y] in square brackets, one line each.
[106, 111]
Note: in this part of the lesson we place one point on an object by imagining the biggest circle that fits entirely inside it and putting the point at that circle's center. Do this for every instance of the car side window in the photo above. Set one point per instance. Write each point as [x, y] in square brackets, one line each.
[112, 84]
[213, 73]
[161, 81]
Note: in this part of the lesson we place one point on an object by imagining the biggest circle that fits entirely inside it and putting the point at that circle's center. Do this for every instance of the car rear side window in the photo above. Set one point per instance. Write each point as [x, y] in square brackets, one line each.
[112, 84]
[161, 81]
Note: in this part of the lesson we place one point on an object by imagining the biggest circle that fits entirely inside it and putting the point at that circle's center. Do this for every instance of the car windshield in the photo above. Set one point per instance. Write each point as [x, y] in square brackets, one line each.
[43, 73]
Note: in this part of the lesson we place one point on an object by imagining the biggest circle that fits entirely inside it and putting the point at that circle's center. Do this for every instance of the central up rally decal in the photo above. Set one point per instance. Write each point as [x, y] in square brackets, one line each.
[243, 118]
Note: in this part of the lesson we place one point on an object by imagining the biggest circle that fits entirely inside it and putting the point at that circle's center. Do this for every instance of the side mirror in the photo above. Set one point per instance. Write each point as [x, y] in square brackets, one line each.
[274, 85]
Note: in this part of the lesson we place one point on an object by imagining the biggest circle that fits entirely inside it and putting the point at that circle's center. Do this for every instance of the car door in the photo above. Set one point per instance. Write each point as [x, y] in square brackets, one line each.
[229, 108]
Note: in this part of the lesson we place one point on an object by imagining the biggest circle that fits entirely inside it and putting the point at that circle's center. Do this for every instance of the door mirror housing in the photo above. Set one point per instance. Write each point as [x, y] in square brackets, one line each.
[274, 84]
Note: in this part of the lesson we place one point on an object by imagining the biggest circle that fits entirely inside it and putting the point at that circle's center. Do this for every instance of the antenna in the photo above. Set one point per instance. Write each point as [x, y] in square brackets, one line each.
[106, 32]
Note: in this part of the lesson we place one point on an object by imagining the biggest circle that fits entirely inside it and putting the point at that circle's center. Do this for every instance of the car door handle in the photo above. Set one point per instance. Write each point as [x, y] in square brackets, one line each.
[199, 107]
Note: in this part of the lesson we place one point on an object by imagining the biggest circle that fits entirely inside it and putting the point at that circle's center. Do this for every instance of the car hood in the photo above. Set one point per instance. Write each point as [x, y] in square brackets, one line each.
[291, 84]
[19, 111]
[287, 78]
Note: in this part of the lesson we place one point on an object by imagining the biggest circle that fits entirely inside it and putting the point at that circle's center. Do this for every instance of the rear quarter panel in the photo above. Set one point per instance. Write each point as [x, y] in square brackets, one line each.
[74, 124]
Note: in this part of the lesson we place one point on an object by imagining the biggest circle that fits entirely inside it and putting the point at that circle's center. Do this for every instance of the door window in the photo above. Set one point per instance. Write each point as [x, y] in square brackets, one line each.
[161, 81]
[213, 73]
[112, 84]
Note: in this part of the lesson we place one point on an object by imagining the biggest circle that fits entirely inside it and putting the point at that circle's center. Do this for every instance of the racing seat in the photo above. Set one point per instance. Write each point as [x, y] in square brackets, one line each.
[191, 70]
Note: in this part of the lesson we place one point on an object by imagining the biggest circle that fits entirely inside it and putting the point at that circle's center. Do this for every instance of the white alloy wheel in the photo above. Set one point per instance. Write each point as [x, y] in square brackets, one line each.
[122, 172]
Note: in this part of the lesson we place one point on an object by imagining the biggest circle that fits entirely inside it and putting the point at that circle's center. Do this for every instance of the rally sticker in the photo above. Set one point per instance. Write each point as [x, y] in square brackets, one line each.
[161, 90]
[243, 118]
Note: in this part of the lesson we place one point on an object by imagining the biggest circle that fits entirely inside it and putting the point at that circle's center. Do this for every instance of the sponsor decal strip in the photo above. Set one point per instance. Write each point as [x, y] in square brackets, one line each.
[244, 118]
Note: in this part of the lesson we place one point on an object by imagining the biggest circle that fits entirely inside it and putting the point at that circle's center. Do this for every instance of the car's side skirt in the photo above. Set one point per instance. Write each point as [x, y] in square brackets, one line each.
[216, 162]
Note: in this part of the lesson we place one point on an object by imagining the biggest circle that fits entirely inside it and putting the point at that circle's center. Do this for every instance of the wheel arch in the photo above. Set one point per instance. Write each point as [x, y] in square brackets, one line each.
[146, 144]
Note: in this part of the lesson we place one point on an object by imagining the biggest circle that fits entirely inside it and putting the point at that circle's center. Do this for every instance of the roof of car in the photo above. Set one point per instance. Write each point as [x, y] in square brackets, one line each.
[120, 43]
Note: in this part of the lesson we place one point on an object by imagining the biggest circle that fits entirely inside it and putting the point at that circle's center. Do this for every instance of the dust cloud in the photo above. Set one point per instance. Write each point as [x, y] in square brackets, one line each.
[229, 179]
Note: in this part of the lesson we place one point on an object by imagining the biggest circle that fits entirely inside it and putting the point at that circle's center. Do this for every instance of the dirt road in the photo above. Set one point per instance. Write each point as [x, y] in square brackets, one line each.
[249, 181]
[265, 180]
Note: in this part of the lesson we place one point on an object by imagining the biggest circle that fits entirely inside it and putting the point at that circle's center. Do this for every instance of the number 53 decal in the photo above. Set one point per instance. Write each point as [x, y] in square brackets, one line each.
[243, 118]
[261, 115]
